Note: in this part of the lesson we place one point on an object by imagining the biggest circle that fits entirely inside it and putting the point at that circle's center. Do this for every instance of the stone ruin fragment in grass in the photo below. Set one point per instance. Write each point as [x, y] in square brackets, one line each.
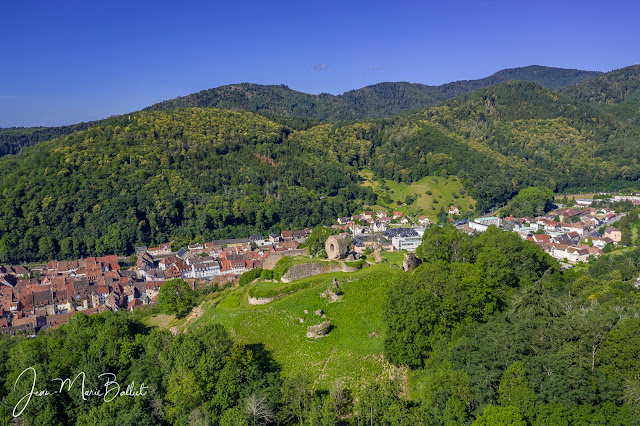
[320, 330]
[333, 292]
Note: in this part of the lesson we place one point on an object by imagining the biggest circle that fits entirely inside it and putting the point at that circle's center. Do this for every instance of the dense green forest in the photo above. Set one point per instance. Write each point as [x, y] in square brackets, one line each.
[612, 87]
[300, 110]
[616, 92]
[204, 173]
[493, 330]
[376, 101]
[566, 144]
[196, 174]
[202, 377]
[532, 202]
[13, 140]
[498, 140]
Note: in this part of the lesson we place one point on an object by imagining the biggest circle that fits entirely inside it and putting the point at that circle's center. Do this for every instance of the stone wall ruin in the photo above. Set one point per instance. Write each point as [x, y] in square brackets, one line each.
[336, 247]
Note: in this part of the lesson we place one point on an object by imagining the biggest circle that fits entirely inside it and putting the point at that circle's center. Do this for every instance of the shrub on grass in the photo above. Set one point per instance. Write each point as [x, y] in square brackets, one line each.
[250, 275]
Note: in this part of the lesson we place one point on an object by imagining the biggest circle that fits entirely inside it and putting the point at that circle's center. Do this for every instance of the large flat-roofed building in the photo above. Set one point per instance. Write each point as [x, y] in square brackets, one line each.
[489, 220]
[409, 244]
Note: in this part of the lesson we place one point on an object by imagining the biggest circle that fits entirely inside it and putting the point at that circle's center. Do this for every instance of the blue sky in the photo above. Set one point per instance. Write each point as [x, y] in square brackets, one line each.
[69, 61]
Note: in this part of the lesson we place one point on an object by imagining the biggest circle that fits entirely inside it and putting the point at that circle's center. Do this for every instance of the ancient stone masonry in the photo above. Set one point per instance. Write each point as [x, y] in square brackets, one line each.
[271, 261]
[304, 270]
[336, 247]
[259, 300]
[318, 331]
[377, 253]
[334, 291]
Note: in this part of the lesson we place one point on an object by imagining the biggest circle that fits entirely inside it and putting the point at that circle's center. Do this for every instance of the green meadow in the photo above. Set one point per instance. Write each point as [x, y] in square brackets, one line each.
[352, 351]
[431, 193]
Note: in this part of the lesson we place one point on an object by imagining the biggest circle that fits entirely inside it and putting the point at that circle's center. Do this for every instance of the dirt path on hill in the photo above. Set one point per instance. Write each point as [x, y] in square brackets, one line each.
[333, 351]
[193, 315]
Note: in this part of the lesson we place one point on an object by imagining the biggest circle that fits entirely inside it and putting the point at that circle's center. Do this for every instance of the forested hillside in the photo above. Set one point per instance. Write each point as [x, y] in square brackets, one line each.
[15, 139]
[498, 140]
[616, 92]
[301, 110]
[194, 378]
[493, 330]
[376, 101]
[560, 143]
[203, 173]
[183, 175]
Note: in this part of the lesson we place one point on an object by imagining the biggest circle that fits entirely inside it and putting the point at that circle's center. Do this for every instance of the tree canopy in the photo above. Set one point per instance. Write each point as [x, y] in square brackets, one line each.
[175, 296]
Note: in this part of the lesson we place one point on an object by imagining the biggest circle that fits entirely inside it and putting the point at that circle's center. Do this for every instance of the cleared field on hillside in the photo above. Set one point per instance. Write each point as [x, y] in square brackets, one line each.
[353, 349]
[442, 195]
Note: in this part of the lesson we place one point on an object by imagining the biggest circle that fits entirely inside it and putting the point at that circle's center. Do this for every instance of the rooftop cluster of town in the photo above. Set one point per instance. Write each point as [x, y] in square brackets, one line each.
[568, 234]
[31, 301]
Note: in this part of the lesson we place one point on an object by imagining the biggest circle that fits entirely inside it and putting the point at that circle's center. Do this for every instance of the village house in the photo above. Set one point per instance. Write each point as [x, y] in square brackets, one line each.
[274, 238]
[343, 220]
[300, 235]
[453, 210]
[134, 304]
[205, 268]
[614, 233]
[257, 239]
[541, 238]
[161, 250]
[378, 227]
[577, 254]
[559, 251]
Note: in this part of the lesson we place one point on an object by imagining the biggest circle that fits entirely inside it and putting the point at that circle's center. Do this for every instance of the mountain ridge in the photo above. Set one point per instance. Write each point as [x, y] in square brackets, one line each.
[301, 110]
[380, 100]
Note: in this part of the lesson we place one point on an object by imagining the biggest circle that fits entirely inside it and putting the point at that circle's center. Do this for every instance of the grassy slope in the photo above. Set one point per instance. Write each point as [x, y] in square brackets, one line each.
[441, 191]
[162, 321]
[348, 352]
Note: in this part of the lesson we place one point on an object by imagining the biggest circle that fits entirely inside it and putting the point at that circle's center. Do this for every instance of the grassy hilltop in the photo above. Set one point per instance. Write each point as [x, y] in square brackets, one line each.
[351, 352]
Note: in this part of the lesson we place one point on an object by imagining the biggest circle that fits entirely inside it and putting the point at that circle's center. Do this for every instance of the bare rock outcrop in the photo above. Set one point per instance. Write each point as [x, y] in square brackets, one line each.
[259, 300]
[410, 262]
